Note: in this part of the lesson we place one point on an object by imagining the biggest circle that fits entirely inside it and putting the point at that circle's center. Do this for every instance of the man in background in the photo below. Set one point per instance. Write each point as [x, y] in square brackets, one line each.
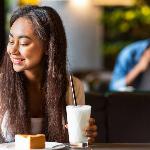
[132, 68]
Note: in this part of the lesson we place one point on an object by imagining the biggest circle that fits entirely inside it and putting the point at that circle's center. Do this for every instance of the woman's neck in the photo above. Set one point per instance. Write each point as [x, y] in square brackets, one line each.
[34, 76]
[33, 85]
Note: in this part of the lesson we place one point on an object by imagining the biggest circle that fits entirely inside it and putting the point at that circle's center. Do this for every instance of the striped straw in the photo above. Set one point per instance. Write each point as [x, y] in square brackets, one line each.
[73, 91]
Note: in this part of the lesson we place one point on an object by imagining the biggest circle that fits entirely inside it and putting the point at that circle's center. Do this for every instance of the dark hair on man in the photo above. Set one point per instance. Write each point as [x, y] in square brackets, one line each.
[13, 95]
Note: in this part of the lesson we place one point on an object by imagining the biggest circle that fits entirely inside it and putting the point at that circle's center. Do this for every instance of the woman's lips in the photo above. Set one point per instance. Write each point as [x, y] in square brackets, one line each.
[17, 61]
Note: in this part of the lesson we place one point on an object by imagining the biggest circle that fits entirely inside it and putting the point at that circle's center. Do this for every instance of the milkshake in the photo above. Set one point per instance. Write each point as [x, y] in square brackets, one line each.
[78, 119]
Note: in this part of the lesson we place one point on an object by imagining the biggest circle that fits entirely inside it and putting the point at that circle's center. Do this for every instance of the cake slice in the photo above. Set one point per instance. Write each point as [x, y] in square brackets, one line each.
[27, 142]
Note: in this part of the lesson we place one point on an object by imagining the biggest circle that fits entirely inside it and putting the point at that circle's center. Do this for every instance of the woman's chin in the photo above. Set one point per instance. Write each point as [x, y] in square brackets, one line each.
[18, 69]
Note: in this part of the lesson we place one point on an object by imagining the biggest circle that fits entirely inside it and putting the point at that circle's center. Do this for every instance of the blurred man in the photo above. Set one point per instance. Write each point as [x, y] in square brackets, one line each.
[132, 68]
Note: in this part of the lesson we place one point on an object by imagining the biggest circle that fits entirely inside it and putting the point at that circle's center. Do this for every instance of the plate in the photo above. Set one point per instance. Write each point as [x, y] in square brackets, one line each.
[48, 146]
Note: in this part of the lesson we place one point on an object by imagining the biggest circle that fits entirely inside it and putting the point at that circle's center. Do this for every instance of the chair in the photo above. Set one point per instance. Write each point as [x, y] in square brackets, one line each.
[97, 101]
[128, 117]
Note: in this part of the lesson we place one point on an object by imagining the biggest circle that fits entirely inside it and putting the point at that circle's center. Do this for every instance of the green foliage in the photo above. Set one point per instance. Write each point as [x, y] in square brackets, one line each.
[8, 4]
[111, 48]
[123, 25]
[126, 23]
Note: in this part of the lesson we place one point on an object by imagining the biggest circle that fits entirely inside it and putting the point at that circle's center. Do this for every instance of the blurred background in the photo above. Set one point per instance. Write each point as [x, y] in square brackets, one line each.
[96, 31]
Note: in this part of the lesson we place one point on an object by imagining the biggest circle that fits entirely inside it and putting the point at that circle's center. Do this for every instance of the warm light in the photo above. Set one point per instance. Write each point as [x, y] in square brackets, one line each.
[80, 2]
[114, 2]
[28, 2]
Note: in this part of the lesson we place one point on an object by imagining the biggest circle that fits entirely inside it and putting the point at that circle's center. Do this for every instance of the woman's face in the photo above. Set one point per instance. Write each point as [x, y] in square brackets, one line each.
[24, 47]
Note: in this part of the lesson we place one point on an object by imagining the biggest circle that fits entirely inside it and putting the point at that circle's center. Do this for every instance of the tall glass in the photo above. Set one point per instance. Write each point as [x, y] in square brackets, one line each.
[78, 119]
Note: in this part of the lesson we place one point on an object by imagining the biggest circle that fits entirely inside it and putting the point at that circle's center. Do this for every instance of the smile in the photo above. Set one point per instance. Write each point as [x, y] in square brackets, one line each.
[17, 60]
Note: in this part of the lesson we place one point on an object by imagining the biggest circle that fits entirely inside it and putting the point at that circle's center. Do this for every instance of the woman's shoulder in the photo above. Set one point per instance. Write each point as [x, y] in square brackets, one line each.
[79, 92]
[77, 82]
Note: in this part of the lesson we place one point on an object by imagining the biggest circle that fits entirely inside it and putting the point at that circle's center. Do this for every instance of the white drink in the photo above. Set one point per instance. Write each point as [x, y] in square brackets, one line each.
[78, 119]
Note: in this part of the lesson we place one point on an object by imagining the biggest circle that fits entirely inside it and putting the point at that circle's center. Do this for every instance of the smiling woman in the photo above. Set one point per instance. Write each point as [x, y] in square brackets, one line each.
[34, 84]
[24, 47]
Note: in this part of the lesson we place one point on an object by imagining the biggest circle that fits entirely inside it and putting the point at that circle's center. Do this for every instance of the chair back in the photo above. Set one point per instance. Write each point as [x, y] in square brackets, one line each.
[128, 117]
[97, 101]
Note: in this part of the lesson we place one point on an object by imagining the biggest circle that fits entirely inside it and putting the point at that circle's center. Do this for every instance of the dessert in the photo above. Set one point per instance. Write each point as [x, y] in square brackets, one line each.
[26, 142]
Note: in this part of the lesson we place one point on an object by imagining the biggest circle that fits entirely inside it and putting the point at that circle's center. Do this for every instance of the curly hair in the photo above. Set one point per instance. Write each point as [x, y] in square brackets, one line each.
[13, 94]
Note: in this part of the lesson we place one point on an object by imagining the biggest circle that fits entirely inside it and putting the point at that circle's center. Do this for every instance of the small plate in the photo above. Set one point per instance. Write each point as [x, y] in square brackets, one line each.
[48, 146]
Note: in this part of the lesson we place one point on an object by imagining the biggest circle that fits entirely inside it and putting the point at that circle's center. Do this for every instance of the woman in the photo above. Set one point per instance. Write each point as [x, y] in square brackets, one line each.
[34, 85]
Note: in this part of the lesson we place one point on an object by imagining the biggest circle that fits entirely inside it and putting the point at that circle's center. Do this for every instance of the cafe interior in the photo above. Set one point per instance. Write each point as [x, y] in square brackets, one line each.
[97, 30]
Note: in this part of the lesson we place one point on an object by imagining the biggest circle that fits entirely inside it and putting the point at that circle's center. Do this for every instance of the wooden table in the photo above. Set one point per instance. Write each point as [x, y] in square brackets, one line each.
[117, 146]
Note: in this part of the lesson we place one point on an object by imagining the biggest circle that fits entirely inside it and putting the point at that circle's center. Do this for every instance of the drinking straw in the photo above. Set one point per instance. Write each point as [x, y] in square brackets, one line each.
[73, 91]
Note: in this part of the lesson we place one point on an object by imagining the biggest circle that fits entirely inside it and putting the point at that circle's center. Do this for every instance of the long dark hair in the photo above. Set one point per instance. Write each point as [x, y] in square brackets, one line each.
[13, 98]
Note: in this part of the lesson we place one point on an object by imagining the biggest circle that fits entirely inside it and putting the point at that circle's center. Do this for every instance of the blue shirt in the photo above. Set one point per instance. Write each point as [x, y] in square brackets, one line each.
[127, 59]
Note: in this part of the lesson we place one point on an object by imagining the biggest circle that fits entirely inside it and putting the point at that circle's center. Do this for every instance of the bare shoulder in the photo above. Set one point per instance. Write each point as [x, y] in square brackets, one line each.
[79, 92]
[77, 82]
[79, 88]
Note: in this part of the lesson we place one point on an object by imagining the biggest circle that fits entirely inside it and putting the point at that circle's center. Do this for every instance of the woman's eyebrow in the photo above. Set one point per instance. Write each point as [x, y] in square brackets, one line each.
[20, 36]
[24, 36]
